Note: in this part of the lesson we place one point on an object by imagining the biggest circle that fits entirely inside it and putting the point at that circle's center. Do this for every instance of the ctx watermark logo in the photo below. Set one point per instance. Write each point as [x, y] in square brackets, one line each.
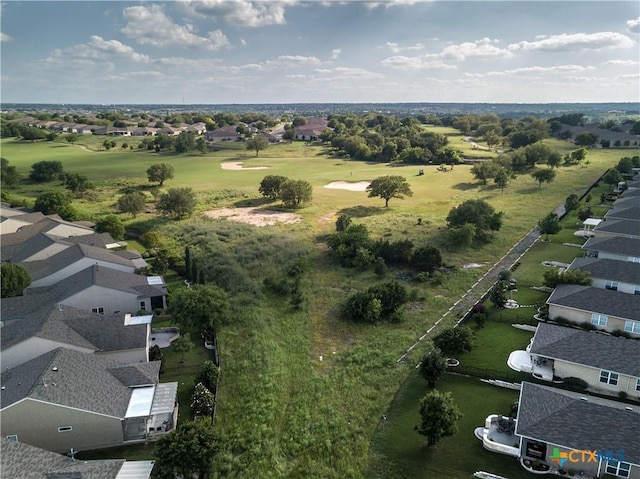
[585, 455]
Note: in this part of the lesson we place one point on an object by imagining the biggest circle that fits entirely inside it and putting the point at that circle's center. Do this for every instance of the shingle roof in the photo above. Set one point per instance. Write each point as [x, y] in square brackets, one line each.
[616, 245]
[590, 348]
[631, 213]
[20, 460]
[619, 227]
[609, 269]
[562, 418]
[74, 379]
[596, 300]
[18, 252]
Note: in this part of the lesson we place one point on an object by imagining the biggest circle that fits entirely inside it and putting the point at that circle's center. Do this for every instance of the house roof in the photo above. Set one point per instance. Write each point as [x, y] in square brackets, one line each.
[22, 216]
[43, 225]
[616, 245]
[77, 327]
[596, 300]
[620, 227]
[590, 348]
[83, 381]
[631, 192]
[18, 252]
[631, 213]
[229, 130]
[43, 268]
[564, 419]
[609, 269]
[30, 462]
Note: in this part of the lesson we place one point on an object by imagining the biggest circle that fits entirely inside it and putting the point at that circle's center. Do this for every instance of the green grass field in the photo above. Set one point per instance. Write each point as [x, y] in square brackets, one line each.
[302, 393]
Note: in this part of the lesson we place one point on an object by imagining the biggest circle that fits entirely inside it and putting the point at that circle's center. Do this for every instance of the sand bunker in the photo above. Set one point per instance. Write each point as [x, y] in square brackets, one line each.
[345, 185]
[254, 216]
[237, 165]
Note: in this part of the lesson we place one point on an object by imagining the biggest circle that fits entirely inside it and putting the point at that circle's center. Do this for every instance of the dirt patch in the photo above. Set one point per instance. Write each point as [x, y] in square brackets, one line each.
[237, 165]
[346, 185]
[254, 216]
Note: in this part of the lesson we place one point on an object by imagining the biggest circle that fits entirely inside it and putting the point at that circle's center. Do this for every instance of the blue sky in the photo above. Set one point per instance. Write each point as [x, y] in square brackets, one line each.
[223, 51]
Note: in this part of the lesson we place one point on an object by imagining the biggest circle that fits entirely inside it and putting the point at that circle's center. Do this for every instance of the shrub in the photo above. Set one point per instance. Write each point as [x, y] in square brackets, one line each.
[623, 395]
[588, 326]
[575, 383]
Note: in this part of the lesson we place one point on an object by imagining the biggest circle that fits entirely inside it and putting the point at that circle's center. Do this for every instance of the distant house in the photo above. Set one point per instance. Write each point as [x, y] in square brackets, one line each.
[29, 462]
[556, 426]
[606, 310]
[616, 247]
[623, 276]
[608, 364]
[67, 399]
[224, 133]
[52, 326]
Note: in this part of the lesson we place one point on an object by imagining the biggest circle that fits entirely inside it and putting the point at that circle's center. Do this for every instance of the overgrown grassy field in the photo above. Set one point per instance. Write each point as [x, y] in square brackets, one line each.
[302, 392]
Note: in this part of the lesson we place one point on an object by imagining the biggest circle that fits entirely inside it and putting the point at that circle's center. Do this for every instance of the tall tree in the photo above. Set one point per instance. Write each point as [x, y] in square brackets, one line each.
[545, 175]
[439, 417]
[432, 366]
[501, 179]
[454, 341]
[55, 202]
[201, 306]
[427, 259]
[8, 173]
[612, 177]
[133, 202]
[111, 224]
[478, 213]
[13, 279]
[72, 138]
[187, 451]
[178, 202]
[76, 183]
[549, 225]
[160, 172]
[45, 171]
[257, 143]
[271, 185]
[182, 345]
[387, 187]
[295, 192]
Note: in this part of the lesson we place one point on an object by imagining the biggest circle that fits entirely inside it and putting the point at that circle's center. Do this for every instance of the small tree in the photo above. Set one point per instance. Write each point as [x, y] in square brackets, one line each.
[296, 192]
[478, 213]
[612, 177]
[257, 143]
[178, 202]
[160, 172]
[201, 306]
[586, 139]
[388, 187]
[72, 138]
[545, 175]
[76, 183]
[432, 366]
[343, 222]
[498, 295]
[501, 179]
[571, 202]
[427, 259]
[133, 202]
[55, 202]
[203, 401]
[45, 171]
[183, 345]
[111, 224]
[208, 375]
[271, 185]
[8, 173]
[439, 417]
[454, 341]
[13, 279]
[549, 225]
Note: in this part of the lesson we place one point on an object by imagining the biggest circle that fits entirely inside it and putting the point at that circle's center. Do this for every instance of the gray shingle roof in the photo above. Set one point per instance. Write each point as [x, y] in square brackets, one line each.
[596, 300]
[619, 227]
[630, 213]
[615, 245]
[588, 347]
[82, 381]
[17, 253]
[562, 418]
[20, 460]
[609, 269]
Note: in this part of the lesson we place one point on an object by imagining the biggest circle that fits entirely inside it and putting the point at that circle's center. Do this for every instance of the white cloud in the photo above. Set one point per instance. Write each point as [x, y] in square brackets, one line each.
[292, 61]
[622, 62]
[634, 25]
[415, 63]
[98, 49]
[634, 76]
[531, 70]
[4, 37]
[396, 48]
[335, 53]
[576, 41]
[151, 26]
[346, 73]
[241, 12]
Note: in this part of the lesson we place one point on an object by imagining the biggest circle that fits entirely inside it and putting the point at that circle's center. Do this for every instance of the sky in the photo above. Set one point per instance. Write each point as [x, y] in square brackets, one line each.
[292, 51]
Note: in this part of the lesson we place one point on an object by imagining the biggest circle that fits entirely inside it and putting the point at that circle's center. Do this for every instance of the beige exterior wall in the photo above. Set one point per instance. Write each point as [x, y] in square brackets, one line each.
[578, 316]
[37, 423]
[622, 287]
[591, 375]
[32, 348]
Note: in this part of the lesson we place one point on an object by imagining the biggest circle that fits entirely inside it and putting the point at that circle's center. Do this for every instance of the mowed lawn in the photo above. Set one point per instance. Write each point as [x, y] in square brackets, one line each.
[305, 391]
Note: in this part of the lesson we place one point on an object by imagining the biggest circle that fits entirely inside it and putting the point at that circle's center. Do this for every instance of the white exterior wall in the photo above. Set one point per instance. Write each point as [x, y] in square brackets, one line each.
[109, 299]
[76, 267]
[32, 348]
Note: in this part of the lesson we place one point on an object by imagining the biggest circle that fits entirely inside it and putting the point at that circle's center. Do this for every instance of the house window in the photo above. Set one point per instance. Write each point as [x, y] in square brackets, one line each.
[13, 437]
[613, 285]
[609, 377]
[98, 309]
[143, 305]
[618, 468]
[65, 428]
[638, 385]
[633, 259]
[598, 319]
[632, 327]
[636, 290]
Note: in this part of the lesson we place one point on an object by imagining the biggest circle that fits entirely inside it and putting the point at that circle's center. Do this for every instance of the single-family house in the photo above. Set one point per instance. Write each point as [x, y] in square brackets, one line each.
[10, 223]
[608, 364]
[626, 213]
[169, 131]
[567, 431]
[611, 227]
[606, 310]
[611, 274]
[75, 258]
[309, 132]
[224, 133]
[199, 128]
[20, 460]
[616, 247]
[119, 337]
[66, 399]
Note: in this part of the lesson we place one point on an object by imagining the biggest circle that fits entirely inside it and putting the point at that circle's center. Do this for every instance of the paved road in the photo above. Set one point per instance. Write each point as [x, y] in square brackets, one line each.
[483, 285]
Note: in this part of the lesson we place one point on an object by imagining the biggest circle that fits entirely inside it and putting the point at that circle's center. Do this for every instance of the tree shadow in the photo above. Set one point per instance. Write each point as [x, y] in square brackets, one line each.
[466, 186]
[525, 191]
[252, 202]
[362, 211]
